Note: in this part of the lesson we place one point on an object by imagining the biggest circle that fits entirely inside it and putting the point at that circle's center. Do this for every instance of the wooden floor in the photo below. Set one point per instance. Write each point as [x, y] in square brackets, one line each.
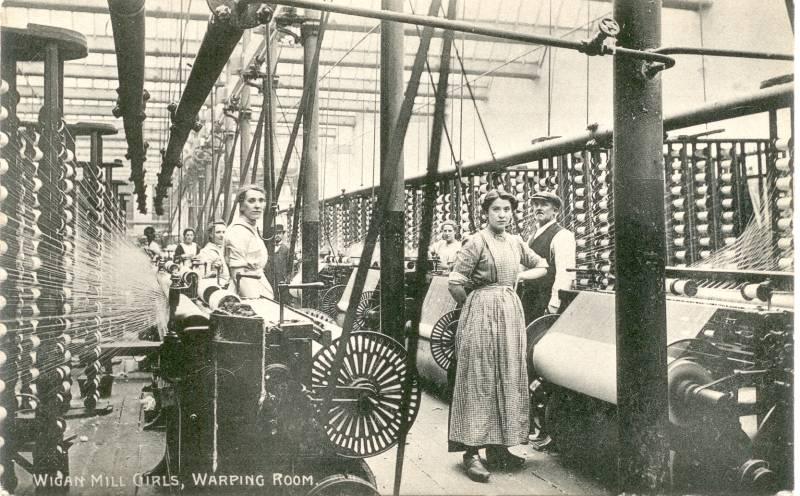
[111, 450]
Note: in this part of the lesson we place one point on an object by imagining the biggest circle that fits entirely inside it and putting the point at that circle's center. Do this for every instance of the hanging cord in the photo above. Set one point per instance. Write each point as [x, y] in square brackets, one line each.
[298, 200]
[703, 61]
[461, 110]
[349, 51]
[253, 146]
[466, 83]
[269, 162]
[226, 178]
[550, 70]
[201, 186]
[434, 87]
[375, 119]
[308, 91]
[588, 35]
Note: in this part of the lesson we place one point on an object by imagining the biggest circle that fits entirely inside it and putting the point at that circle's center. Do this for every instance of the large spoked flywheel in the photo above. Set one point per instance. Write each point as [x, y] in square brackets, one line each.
[364, 417]
[443, 338]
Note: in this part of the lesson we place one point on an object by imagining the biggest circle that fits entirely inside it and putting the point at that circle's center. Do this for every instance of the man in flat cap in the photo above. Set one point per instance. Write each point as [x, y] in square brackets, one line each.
[554, 243]
[281, 271]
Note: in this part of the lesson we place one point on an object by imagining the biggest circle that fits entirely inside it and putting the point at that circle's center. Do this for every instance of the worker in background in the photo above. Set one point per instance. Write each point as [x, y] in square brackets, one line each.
[490, 402]
[186, 249]
[243, 246]
[446, 248]
[279, 266]
[538, 289]
[151, 246]
[212, 255]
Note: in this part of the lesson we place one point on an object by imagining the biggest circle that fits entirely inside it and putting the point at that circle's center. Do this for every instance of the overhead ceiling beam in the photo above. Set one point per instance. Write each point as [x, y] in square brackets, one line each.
[366, 58]
[695, 5]
[153, 9]
[104, 95]
[31, 98]
[157, 10]
[329, 57]
[80, 70]
[109, 73]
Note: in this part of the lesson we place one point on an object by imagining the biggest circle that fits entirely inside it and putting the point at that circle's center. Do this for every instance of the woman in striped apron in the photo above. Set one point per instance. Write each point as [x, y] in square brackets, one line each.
[490, 402]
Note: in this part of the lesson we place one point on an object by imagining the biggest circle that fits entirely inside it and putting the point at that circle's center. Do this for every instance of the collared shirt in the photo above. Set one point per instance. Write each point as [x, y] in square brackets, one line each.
[244, 248]
[563, 250]
[213, 253]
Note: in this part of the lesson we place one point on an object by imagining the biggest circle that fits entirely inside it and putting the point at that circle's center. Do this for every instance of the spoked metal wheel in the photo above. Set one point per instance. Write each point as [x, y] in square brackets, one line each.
[365, 415]
[370, 300]
[330, 299]
[443, 339]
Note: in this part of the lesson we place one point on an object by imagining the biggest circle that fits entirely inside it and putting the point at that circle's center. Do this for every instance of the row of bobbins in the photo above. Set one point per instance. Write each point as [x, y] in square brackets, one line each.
[330, 225]
[726, 221]
[9, 247]
[56, 250]
[783, 208]
[96, 220]
[24, 365]
[688, 206]
[705, 211]
[698, 162]
[677, 211]
[592, 215]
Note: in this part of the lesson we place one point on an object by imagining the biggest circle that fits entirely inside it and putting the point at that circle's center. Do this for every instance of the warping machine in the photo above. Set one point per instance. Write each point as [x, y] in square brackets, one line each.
[244, 395]
[730, 379]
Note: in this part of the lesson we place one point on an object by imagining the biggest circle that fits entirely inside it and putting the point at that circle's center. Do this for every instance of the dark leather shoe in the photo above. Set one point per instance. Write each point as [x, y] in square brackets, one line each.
[502, 458]
[475, 469]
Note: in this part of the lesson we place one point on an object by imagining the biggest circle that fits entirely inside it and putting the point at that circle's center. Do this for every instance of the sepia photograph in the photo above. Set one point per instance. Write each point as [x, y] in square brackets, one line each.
[397, 247]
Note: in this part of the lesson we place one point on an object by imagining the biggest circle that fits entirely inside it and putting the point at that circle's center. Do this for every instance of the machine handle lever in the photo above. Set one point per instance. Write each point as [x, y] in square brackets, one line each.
[316, 286]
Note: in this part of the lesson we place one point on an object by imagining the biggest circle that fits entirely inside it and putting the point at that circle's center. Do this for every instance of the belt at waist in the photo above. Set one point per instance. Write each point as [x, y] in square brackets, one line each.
[493, 287]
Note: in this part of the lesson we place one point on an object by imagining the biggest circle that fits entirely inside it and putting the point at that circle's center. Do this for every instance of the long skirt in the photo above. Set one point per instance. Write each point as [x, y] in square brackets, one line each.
[490, 401]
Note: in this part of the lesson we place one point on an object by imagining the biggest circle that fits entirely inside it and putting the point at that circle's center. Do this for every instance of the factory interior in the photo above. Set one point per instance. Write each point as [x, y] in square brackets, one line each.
[407, 247]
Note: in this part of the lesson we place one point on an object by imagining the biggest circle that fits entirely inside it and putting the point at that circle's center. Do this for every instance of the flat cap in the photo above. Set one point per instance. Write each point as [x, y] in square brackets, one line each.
[548, 196]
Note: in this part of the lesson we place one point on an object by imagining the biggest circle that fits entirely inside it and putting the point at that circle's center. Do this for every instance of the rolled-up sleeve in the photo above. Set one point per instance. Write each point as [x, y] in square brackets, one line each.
[466, 260]
[528, 257]
[236, 240]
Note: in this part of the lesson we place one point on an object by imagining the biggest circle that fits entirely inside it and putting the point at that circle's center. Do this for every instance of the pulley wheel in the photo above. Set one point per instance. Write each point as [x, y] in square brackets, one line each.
[370, 300]
[678, 372]
[330, 299]
[370, 424]
[443, 339]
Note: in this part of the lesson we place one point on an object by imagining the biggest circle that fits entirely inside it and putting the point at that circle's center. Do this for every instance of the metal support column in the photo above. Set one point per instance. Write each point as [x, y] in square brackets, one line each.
[641, 253]
[49, 455]
[310, 181]
[392, 230]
